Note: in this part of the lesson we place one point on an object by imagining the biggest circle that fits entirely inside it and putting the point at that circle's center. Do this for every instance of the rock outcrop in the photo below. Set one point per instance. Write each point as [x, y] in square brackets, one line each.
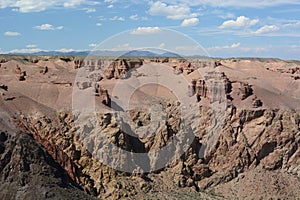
[199, 88]
[3, 60]
[102, 95]
[45, 70]
[27, 171]
[215, 87]
[245, 90]
[235, 152]
[3, 87]
[84, 85]
[78, 63]
[21, 75]
[119, 68]
[257, 103]
[183, 66]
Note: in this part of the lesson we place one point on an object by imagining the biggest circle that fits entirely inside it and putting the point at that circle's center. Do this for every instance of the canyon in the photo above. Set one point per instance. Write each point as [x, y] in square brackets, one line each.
[65, 120]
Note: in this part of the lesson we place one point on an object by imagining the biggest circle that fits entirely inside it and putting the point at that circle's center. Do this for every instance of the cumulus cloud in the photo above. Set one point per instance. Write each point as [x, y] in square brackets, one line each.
[190, 22]
[240, 22]
[110, 6]
[48, 27]
[12, 33]
[42, 5]
[267, 29]
[176, 12]
[146, 30]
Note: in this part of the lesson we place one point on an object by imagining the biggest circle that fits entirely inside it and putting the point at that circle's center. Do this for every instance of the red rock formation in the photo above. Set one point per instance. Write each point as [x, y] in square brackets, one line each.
[102, 95]
[21, 75]
[201, 88]
[257, 102]
[245, 90]
[56, 153]
[183, 66]
[119, 68]
[78, 63]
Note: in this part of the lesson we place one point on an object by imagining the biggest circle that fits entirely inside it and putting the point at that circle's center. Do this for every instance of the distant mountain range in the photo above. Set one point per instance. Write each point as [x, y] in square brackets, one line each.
[133, 53]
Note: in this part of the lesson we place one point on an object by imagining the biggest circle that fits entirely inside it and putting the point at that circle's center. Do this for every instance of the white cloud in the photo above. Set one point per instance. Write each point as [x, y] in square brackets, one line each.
[116, 18]
[134, 17]
[236, 3]
[98, 24]
[92, 45]
[146, 30]
[48, 27]
[42, 5]
[162, 46]
[110, 6]
[59, 27]
[73, 3]
[28, 50]
[31, 46]
[222, 14]
[235, 45]
[217, 48]
[110, 1]
[227, 16]
[176, 12]
[102, 18]
[90, 10]
[267, 29]
[12, 33]
[190, 22]
[35, 50]
[295, 24]
[240, 22]
[65, 50]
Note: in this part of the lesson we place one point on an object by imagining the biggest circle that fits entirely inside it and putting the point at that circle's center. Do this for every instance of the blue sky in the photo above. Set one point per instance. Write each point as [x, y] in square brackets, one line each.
[232, 28]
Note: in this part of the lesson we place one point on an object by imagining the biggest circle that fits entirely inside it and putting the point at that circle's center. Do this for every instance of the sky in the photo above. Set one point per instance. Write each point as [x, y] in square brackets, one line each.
[232, 28]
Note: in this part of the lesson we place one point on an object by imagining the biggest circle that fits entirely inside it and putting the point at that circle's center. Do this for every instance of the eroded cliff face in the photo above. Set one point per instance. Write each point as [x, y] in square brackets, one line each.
[256, 139]
[27, 171]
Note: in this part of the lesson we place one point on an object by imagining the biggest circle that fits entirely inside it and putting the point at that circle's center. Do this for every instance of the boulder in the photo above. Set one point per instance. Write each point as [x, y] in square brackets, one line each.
[3, 87]
[83, 85]
[45, 70]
